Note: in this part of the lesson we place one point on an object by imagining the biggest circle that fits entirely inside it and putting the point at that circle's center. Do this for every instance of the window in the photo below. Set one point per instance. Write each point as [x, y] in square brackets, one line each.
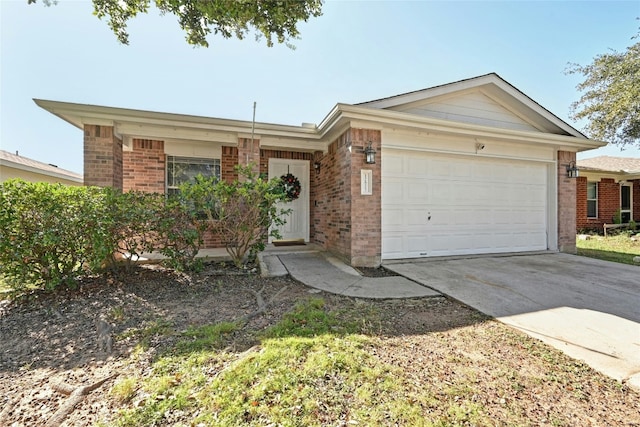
[592, 199]
[184, 169]
[625, 203]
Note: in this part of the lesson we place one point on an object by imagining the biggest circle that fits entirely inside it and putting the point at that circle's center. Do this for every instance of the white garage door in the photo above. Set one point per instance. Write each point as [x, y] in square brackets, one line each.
[436, 205]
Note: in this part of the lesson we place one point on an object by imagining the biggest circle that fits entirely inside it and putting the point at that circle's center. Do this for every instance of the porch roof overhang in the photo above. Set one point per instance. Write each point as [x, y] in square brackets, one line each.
[129, 124]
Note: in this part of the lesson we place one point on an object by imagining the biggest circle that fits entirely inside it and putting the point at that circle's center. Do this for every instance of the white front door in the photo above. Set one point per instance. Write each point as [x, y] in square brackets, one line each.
[297, 221]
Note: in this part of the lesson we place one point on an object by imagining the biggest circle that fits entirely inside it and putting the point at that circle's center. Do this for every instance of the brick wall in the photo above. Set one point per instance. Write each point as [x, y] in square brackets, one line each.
[608, 203]
[366, 211]
[249, 152]
[144, 167]
[344, 221]
[566, 204]
[608, 199]
[331, 212]
[228, 164]
[102, 157]
[636, 200]
[582, 221]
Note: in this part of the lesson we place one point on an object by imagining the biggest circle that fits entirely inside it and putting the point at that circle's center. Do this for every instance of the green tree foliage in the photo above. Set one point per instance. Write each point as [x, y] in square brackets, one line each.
[273, 19]
[242, 212]
[611, 98]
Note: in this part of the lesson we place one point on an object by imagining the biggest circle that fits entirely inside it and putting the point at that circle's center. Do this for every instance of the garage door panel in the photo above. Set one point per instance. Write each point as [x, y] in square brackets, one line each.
[474, 205]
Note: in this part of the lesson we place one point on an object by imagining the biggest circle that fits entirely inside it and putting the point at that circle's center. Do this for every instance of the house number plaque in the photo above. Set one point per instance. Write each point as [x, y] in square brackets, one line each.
[366, 182]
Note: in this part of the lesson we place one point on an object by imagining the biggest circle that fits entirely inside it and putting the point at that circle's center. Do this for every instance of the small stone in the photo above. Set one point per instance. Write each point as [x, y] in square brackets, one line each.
[636, 259]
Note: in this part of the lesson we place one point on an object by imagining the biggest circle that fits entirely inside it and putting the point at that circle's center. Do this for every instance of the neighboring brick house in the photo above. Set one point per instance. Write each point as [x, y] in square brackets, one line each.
[15, 166]
[607, 187]
[469, 167]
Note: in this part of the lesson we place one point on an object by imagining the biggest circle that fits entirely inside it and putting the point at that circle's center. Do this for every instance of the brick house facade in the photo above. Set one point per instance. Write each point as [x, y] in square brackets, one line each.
[615, 192]
[444, 182]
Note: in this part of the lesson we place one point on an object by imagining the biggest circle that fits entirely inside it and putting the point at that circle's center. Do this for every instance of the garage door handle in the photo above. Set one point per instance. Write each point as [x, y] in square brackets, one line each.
[429, 216]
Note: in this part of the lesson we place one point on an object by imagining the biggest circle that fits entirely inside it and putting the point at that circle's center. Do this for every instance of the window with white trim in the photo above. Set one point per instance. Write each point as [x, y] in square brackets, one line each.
[592, 199]
[181, 170]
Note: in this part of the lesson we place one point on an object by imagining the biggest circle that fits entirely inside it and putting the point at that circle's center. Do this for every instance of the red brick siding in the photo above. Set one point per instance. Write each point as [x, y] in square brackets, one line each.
[566, 204]
[331, 212]
[144, 167]
[228, 164]
[249, 152]
[102, 157]
[608, 203]
[582, 221]
[344, 221]
[636, 201]
[608, 200]
[366, 211]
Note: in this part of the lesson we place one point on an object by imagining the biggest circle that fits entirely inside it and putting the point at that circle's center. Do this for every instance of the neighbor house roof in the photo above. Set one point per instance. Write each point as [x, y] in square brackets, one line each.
[16, 161]
[611, 164]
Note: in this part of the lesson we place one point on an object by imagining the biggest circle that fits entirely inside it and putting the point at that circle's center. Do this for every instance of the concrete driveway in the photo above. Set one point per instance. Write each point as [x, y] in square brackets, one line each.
[589, 309]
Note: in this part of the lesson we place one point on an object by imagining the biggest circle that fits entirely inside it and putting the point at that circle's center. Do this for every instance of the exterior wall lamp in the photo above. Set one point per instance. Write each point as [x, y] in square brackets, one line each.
[316, 167]
[369, 155]
[572, 170]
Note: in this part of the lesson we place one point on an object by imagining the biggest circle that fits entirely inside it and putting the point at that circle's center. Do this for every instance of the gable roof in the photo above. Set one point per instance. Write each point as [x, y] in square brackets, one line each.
[501, 113]
[24, 163]
[611, 164]
[492, 91]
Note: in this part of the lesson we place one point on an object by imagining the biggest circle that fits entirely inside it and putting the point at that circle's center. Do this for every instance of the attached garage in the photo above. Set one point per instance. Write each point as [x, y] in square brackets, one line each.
[442, 204]
[469, 167]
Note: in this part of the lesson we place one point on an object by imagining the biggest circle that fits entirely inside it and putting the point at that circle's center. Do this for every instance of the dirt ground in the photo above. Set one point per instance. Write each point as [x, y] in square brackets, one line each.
[52, 339]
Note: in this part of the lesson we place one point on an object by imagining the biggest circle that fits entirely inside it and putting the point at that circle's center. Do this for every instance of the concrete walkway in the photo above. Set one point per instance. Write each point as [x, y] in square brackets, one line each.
[587, 308]
[316, 269]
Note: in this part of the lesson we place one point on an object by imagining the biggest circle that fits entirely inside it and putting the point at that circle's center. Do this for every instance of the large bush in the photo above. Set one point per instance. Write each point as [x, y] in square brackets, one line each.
[48, 232]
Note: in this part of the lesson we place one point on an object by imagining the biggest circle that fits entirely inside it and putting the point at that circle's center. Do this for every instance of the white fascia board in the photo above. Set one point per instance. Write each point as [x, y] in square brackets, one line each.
[26, 168]
[276, 143]
[411, 121]
[162, 132]
[79, 114]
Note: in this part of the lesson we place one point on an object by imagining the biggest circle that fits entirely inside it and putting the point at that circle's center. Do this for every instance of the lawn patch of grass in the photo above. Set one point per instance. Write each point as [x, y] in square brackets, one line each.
[619, 248]
[313, 368]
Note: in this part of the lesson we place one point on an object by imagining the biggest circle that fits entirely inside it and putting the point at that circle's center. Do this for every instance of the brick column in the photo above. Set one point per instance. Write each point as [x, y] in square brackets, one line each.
[608, 199]
[581, 203]
[366, 210]
[102, 157]
[249, 152]
[636, 200]
[566, 204]
[228, 164]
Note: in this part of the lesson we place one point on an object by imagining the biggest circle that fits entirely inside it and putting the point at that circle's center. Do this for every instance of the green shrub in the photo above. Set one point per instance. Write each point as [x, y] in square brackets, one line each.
[180, 234]
[49, 232]
[242, 212]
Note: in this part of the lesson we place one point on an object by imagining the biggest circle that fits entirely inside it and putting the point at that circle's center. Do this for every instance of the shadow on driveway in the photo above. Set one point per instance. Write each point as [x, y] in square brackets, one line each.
[588, 308]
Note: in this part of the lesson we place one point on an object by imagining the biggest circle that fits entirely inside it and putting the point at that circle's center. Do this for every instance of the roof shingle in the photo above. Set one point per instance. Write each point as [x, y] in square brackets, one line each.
[611, 164]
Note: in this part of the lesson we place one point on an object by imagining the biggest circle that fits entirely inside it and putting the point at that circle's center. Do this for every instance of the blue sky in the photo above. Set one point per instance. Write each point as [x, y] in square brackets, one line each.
[355, 52]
